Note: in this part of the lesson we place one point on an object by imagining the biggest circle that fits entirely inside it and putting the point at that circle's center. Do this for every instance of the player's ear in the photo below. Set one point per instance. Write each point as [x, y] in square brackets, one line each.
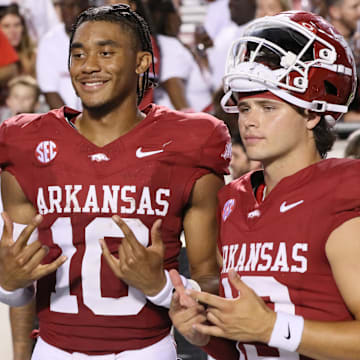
[143, 61]
[312, 120]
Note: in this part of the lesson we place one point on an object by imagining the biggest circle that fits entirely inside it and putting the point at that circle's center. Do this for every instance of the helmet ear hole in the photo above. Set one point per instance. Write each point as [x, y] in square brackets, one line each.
[330, 88]
[301, 82]
[328, 55]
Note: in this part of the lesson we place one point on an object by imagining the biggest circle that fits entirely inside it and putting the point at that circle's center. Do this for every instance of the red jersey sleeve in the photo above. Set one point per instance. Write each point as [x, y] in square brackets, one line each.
[216, 151]
[13, 137]
[346, 202]
[8, 54]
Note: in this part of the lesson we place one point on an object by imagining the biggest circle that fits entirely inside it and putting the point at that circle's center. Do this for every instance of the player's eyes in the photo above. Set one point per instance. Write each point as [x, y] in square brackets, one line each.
[107, 53]
[243, 109]
[77, 55]
[269, 108]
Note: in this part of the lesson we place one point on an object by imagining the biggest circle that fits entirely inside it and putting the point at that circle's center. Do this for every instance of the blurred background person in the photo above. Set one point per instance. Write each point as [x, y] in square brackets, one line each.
[184, 85]
[200, 89]
[217, 17]
[271, 7]
[352, 148]
[240, 163]
[8, 64]
[13, 25]
[229, 119]
[241, 13]
[8, 60]
[52, 58]
[176, 61]
[23, 97]
[40, 15]
[344, 15]
[317, 7]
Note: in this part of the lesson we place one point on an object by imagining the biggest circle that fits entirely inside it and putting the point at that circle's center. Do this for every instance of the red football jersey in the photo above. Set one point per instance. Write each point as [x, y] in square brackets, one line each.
[278, 245]
[77, 186]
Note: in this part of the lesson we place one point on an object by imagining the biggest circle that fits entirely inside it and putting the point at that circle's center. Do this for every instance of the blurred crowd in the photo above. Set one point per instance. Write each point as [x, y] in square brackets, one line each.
[34, 38]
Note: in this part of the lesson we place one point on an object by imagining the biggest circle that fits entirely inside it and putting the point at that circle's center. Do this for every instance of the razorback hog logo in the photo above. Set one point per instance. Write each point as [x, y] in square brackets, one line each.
[98, 157]
[46, 151]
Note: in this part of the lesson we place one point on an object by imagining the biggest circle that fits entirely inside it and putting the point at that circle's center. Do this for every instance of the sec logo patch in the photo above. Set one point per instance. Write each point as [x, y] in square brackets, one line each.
[228, 208]
[46, 151]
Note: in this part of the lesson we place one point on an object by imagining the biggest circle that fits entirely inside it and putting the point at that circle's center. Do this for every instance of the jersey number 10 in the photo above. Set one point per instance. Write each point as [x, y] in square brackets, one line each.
[62, 301]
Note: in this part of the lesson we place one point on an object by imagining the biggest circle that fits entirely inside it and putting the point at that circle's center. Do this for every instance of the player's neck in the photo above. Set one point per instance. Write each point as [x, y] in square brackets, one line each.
[275, 171]
[102, 129]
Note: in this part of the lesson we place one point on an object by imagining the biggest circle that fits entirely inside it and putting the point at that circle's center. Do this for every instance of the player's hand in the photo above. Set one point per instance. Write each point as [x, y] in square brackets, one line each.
[20, 263]
[245, 318]
[185, 312]
[138, 266]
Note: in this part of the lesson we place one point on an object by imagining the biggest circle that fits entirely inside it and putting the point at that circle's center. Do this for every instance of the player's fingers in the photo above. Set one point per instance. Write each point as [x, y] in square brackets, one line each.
[186, 300]
[35, 260]
[109, 258]
[214, 316]
[123, 257]
[186, 313]
[211, 330]
[105, 250]
[156, 238]
[129, 251]
[129, 236]
[8, 228]
[192, 316]
[175, 303]
[206, 298]
[23, 238]
[43, 270]
[29, 251]
[176, 281]
[239, 285]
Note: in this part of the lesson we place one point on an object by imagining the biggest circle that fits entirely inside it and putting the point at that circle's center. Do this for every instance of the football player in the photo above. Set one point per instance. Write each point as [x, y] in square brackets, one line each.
[95, 185]
[289, 234]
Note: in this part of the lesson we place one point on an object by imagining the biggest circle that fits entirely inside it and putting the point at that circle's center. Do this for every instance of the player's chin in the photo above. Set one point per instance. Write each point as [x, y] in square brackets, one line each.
[94, 105]
[99, 106]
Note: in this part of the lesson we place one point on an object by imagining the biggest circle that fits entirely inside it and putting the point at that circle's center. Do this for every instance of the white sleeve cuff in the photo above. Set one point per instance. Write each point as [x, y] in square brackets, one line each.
[17, 297]
[163, 298]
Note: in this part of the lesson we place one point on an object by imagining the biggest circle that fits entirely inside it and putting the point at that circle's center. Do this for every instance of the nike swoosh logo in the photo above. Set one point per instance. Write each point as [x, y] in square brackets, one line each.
[288, 335]
[141, 154]
[284, 207]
